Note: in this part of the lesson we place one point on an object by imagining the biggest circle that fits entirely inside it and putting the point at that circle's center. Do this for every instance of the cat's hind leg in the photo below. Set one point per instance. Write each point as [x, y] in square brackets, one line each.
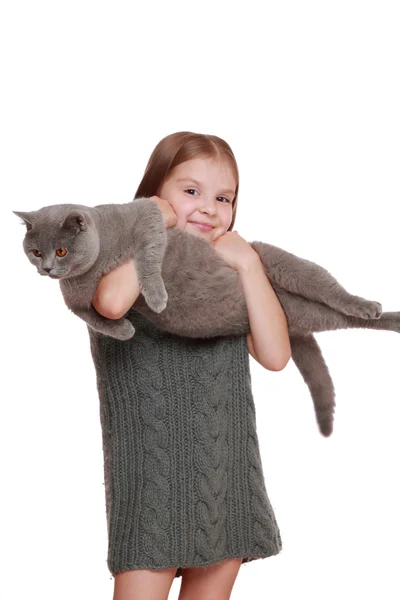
[304, 316]
[306, 278]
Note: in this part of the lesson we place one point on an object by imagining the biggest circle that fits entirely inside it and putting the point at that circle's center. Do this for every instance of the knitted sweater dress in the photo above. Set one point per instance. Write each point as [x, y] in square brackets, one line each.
[184, 484]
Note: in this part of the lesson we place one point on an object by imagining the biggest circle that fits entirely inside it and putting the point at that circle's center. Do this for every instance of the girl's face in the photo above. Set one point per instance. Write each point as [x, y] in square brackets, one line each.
[201, 190]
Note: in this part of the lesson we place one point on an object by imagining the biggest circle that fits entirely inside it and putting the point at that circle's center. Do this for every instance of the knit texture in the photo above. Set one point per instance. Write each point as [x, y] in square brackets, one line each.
[184, 484]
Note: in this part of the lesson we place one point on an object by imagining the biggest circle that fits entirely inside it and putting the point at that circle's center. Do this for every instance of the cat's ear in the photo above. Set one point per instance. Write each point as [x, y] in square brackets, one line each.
[26, 218]
[76, 221]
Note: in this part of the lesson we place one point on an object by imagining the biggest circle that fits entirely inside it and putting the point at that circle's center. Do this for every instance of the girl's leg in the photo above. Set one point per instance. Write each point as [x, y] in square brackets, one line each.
[143, 584]
[214, 582]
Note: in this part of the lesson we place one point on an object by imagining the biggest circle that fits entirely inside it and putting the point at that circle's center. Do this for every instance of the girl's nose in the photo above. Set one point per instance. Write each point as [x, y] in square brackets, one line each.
[209, 205]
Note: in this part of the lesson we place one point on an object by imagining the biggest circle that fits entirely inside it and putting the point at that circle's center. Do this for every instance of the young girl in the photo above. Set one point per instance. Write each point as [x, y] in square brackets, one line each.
[185, 492]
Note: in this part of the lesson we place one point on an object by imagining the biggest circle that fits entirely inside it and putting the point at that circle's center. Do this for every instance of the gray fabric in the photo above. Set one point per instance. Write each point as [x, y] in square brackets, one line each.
[184, 484]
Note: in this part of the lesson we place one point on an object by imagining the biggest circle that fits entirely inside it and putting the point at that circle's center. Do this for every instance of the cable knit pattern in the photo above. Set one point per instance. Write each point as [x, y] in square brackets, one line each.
[184, 484]
[210, 453]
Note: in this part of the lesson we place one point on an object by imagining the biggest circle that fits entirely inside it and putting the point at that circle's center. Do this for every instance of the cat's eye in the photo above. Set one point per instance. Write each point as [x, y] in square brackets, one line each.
[36, 253]
[61, 252]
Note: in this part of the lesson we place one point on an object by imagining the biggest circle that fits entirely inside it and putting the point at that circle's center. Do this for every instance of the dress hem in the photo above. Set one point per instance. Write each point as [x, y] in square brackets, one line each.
[179, 569]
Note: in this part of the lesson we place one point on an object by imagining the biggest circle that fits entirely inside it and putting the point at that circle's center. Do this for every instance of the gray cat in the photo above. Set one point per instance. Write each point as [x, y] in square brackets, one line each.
[95, 240]
[78, 244]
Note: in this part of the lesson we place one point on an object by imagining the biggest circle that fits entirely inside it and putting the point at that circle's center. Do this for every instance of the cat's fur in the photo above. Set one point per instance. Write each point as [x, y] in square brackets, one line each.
[205, 295]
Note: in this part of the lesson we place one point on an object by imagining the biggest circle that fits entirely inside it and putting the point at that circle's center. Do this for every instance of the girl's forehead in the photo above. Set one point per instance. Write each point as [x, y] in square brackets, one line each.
[205, 168]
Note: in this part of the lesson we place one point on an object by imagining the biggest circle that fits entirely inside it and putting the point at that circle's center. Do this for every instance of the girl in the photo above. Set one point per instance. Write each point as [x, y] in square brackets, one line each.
[185, 492]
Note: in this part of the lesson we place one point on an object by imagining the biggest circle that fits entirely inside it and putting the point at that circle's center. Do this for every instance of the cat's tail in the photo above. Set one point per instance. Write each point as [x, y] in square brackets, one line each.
[307, 356]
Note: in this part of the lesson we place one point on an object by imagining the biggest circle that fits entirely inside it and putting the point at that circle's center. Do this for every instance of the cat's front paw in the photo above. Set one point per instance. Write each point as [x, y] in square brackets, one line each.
[366, 309]
[121, 329]
[156, 297]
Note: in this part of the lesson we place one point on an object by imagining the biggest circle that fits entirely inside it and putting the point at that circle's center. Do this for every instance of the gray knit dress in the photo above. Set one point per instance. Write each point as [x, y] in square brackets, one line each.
[184, 485]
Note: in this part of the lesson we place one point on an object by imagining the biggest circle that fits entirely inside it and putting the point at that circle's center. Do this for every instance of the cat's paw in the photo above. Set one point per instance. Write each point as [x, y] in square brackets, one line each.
[156, 299]
[122, 329]
[366, 309]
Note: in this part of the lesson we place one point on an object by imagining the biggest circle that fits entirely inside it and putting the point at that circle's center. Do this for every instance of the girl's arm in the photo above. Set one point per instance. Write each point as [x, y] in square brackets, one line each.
[268, 341]
[119, 289]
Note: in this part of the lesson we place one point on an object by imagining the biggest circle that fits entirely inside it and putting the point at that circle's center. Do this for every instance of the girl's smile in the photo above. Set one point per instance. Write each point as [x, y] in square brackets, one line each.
[202, 226]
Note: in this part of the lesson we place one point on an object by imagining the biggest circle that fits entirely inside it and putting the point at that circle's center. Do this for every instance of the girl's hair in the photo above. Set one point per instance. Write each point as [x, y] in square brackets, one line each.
[179, 147]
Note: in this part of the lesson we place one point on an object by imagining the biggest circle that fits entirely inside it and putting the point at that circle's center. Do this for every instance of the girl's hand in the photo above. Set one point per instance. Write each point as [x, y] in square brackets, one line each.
[170, 216]
[235, 250]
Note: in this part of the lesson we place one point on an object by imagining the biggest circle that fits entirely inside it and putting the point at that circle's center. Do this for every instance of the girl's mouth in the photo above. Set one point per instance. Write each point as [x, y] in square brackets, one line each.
[202, 226]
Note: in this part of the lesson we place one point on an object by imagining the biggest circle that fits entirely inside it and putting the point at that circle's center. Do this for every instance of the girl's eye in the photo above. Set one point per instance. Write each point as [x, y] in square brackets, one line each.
[36, 253]
[192, 190]
[61, 252]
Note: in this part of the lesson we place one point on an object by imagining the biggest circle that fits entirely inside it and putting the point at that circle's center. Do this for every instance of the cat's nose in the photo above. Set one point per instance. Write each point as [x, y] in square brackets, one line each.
[47, 269]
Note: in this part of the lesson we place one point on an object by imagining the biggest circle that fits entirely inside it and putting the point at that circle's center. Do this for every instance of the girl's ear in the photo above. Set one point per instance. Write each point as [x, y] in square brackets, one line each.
[26, 217]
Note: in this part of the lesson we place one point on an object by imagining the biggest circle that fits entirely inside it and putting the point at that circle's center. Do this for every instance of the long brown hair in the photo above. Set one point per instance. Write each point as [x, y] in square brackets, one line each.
[179, 147]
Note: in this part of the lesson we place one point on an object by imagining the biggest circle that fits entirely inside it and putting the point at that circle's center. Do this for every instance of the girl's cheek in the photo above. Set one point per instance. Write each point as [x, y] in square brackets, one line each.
[183, 213]
[181, 224]
[182, 220]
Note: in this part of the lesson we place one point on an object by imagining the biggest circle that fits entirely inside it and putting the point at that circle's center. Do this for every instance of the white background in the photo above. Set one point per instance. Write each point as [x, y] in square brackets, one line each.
[307, 94]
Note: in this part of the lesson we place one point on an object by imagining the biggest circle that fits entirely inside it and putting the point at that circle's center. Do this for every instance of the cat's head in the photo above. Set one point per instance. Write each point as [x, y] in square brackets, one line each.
[61, 240]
